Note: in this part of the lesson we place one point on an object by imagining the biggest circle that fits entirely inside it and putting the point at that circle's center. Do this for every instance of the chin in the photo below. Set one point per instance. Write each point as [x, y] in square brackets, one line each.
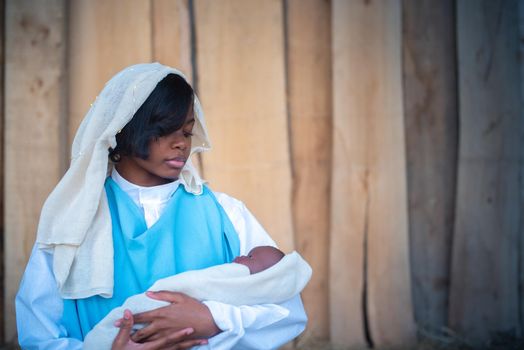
[171, 176]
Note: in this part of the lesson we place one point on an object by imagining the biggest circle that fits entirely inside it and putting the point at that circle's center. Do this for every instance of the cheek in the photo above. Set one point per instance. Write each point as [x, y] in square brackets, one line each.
[157, 149]
[154, 154]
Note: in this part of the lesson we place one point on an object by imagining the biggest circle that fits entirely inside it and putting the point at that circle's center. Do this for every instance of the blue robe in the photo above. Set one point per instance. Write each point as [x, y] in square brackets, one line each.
[194, 232]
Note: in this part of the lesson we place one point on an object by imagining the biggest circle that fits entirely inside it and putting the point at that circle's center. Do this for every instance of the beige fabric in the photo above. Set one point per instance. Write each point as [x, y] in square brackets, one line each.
[227, 283]
[75, 222]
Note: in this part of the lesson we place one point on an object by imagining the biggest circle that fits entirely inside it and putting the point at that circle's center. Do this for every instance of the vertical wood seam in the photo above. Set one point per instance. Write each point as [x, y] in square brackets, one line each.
[193, 43]
[365, 310]
[2, 170]
[294, 189]
[456, 165]
[520, 242]
[285, 28]
[331, 146]
[152, 32]
[63, 127]
[194, 66]
[457, 151]
[520, 287]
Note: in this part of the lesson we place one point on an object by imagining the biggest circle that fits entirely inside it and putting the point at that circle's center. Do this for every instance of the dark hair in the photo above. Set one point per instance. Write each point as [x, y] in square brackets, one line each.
[163, 112]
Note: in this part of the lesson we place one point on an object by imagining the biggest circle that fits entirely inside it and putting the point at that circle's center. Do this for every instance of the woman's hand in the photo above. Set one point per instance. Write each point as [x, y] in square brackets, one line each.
[183, 312]
[175, 340]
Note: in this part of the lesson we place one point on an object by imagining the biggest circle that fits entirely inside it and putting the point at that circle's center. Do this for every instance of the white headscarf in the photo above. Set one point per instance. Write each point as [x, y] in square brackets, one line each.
[75, 223]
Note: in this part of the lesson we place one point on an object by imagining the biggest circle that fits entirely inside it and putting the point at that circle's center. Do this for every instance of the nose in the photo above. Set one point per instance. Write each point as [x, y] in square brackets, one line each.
[239, 259]
[179, 141]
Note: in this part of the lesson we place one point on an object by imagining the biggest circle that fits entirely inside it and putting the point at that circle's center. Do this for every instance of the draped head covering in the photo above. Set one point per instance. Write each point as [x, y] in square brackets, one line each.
[75, 223]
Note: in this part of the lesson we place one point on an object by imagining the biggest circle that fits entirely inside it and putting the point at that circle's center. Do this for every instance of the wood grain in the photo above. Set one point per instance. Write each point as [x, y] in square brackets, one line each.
[431, 115]
[521, 82]
[172, 35]
[240, 55]
[2, 176]
[310, 110]
[369, 241]
[105, 36]
[34, 112]
[485, 295]
[349, 185]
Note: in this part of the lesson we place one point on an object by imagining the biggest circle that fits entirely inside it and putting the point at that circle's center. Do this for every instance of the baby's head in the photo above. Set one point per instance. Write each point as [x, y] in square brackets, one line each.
[260, 258]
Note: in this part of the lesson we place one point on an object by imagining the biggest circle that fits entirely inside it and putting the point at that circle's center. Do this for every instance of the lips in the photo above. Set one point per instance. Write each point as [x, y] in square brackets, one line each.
[177, 162]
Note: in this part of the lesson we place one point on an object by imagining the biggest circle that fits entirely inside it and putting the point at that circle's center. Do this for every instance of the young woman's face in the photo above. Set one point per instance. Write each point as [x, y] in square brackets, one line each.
[167, 156]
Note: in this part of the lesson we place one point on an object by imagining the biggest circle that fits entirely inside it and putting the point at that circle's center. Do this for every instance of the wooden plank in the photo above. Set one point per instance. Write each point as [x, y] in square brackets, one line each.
[172, 34]
[485, 295]
[34, 106]
[349, 177]
[521, 242]
[2, 175]
[241, 81]
[310, 110]
[431, 117]
[390, 306]
[369, 202]
[105, 36]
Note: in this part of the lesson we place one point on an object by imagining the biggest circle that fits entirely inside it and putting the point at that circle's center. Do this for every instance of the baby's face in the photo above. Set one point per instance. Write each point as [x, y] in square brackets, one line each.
[260, 258]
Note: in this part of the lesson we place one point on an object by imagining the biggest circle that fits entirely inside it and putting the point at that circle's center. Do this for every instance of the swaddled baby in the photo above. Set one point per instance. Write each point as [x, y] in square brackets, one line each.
[265, 275]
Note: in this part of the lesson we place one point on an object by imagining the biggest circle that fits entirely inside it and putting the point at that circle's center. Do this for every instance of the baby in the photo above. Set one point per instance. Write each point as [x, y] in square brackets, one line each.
[265, 275]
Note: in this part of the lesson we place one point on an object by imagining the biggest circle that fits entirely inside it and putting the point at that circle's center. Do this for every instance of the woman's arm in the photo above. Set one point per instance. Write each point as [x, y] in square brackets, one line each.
[39, 309]
[265, 326]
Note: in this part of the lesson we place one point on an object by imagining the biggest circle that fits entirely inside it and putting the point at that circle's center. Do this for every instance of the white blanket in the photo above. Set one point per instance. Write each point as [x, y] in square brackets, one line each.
[227, 283]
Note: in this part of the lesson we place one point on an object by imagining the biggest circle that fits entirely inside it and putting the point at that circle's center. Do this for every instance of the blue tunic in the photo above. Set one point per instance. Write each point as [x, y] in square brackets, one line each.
[194, 232]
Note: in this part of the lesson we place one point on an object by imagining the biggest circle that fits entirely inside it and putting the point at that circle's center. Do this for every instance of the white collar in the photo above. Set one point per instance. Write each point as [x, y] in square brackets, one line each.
[142, 194]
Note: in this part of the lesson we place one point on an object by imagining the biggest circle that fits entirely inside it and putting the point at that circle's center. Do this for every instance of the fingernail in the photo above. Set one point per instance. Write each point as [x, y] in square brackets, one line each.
[203, 342]
[127, 315]
[189, 331]
[149, 294]
[118, 323]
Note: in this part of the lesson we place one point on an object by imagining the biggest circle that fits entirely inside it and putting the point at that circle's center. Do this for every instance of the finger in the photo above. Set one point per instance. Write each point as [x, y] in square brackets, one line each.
[188, 344]
[152, 337]
[144, 334]
[164, 295]
[172, 339]
[126, 326]
[147, 316]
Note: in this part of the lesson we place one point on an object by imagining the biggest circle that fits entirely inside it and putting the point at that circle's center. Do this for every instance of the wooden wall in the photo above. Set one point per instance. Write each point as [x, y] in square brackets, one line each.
[431, 117]
[382, 139]
[368, 203]
[34, 126]
[487, 248]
